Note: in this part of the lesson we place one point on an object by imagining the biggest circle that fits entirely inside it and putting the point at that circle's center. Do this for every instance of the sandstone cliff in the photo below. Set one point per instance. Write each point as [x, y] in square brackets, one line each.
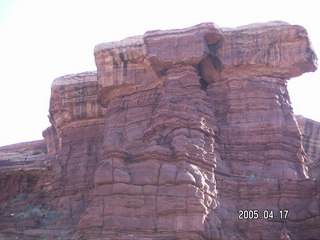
[310, 131]
[21, 165]
[182, 133]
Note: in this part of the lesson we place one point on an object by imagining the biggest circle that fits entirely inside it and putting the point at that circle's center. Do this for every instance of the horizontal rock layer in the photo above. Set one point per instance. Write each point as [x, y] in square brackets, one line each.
[24, 157]
[74, 98]
[275, 49]
[24, 169]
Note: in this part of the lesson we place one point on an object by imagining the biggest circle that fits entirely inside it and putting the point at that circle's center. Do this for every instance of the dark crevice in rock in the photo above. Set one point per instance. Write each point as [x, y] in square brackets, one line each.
[203, 83]
[217, 63]
[125, 64]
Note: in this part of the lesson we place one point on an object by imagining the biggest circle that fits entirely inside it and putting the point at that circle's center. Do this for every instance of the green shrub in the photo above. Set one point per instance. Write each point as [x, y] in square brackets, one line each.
[44, 191]
[37, 211]
[31, 211]
[53, 215]
[25, 207]
[38, 153]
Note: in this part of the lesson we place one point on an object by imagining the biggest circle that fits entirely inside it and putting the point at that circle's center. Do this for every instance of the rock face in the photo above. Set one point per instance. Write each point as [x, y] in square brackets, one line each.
[310, 131]
[185, 134]
[23, 156]
[76, 138]
[21, 167]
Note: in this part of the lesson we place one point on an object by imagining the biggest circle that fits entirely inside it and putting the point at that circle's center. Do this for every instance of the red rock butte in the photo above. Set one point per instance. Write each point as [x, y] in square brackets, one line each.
[181, 134]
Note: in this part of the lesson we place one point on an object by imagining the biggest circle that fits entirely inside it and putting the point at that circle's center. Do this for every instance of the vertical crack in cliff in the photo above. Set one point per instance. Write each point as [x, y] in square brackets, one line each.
[203, 83]
[213, 48]
[24, 162]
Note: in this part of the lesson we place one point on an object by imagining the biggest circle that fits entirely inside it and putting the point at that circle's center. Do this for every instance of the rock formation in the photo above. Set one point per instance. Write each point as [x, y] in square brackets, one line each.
[310, 130]
[184, 134]
[25, 158]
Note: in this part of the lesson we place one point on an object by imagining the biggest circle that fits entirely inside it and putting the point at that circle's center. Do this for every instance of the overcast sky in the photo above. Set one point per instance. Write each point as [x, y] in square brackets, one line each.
[41, 40]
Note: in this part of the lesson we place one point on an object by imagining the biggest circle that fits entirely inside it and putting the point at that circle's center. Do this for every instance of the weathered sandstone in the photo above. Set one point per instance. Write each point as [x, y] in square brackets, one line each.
[214, 114]
[178, 131]
[23, 156]
[310, 131]
[276, 50]
[22, 165]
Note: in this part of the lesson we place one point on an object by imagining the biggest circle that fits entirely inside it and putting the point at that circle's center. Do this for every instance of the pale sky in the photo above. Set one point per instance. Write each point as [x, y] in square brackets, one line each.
[41, 40]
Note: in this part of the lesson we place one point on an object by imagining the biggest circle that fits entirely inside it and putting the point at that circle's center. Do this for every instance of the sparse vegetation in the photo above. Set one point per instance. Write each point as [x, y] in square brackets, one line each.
[45, 191]
[21, 197]
[251, 177]
[39, 152]
[30, 211]
[37, 212]
[61, 236]
[3, 205]
[53, 215]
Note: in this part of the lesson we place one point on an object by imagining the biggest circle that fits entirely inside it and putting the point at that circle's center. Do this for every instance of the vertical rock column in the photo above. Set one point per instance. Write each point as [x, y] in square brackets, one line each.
[155, 177]
[185, 123]
[76, 138]
[262, 163]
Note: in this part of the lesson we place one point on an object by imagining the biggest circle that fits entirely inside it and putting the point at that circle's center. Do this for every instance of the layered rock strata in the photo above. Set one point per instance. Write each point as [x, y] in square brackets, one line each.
[185, 134]
[23, 156]
[23, 169]
[310, 131]
[199, 124]
[76, 138]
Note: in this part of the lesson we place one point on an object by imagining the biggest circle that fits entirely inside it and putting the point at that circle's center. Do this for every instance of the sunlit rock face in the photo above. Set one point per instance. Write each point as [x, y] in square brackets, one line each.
[185, 134]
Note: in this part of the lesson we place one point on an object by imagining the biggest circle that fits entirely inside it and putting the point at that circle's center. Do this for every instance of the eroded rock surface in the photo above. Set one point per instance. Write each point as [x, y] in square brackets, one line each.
[23, 156]
[180, 130]
[310, 131]
[20, 168]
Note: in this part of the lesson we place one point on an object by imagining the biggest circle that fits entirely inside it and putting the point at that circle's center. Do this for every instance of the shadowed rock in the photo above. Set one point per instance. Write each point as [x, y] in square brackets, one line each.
[310, 131]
